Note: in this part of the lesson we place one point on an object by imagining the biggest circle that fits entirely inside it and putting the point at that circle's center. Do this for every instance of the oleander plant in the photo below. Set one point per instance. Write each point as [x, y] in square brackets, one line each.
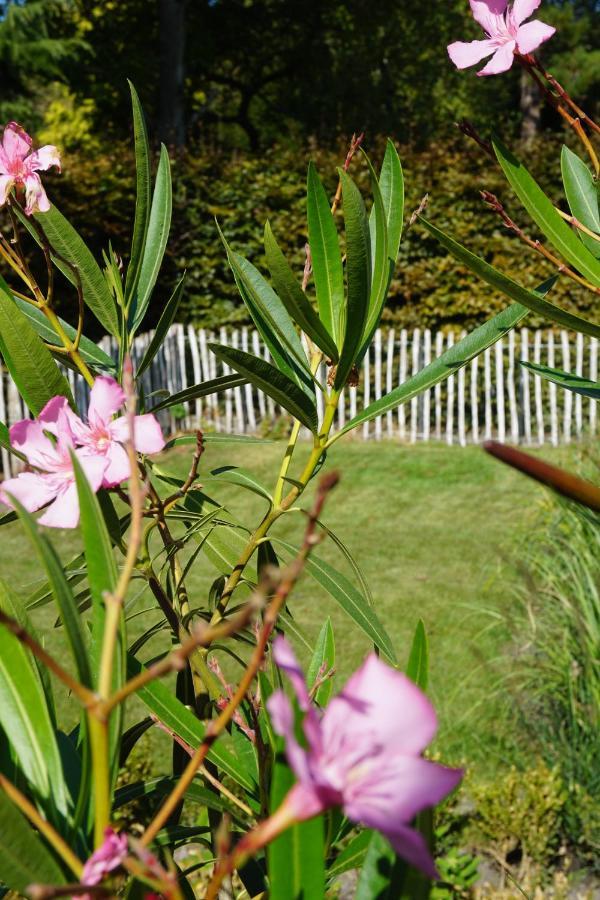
[276, 784]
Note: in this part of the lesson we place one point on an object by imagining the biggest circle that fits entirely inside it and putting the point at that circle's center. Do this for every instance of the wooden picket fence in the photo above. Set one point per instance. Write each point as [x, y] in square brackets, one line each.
[492, 397]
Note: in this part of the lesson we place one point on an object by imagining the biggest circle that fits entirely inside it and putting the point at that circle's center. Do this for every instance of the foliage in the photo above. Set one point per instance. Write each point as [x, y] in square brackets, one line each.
[558, 669]
[520, 813]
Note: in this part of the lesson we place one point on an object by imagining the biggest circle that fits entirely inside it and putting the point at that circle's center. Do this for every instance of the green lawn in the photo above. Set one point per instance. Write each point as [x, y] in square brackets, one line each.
[437, 531]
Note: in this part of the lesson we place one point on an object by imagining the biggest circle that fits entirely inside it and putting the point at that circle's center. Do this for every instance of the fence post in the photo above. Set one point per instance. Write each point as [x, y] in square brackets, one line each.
[499, 349]
[567, 395]
[579, 372]
[593, 377]
[474, 400]
[525, 392]
[414, 403]
[552, 391]
[437, 391]
[537, 384]
[487, 375]
[377, 385]
[427, 394]
[389, 375]
[510, 384]
[450, 398]
[262, 408]
[197, 371]
[366, 389]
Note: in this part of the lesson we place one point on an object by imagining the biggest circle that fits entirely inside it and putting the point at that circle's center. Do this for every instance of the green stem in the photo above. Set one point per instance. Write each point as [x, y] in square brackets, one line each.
[68, 344]
[98, 734]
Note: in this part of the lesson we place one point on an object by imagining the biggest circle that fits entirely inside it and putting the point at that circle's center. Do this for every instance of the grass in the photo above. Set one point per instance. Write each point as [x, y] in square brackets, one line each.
[437, 531]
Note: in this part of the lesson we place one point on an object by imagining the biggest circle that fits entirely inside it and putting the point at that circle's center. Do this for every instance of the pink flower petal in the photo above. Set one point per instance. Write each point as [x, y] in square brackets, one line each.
[28, 437]
[501, 61]
[31, 489]
[7, 183]
[43, 159]
[94, 467]
[282, 716]
[147, 433]
[36, 199]
[464, 54]
[285, 658]
[522, 9]
[64, 512]
[531, 35]
[304, 801]
[106, 858]
[489, 14]
[117, 468]
[57, 414]
[384, 701]
[397, 787]
[412, 847]
[106, 398]
[16, 142]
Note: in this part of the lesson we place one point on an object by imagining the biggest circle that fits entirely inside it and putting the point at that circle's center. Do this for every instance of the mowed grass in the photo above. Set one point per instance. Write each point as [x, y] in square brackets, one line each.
[438, 533]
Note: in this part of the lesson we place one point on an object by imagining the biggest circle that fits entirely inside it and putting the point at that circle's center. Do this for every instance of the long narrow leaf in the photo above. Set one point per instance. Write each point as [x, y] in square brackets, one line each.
[164, 323]
[358, 272]
[91, 352]
[24, 858]
[29, 362]
[566, 380]
[272, 382]
[294, 299]
[349, 598]
[391, 184]
[69, 246]
[61, 591]
[447, 364]
[541, 209]
[531, 299]
[325, 255]
[142, 193]
[155, 244]
[380, 262]
[201, 390]
[582, 196]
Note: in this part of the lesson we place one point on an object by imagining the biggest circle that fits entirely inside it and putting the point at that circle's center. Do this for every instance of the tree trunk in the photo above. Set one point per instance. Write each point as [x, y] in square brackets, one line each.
[171, 111]
[530, 107]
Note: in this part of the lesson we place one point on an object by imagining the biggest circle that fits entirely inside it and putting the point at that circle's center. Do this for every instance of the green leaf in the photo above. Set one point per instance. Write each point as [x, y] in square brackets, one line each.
[29, 362]
[223, 546]
[102, 578]
[142, 193]
[531, 299]
[155, 244]
[358, 274]
[91, 352]
[61, 591]
[26, 720]
[296, 859]
[294, 299]
[159, 699]
[382, 873]
[417, 667]
[67, 245]
[325, 255]
[541, 210]
[322, 658]
[566, 380]
[166, 320]
[216, 438]
[353, 855]
[348, 597]
[223, 383]
[582, 196]
[24, 857]
[447, 364]
[271, 319]
[242, 478]
[391, 184]
[380, 261]
[272, 382]
[161, 787]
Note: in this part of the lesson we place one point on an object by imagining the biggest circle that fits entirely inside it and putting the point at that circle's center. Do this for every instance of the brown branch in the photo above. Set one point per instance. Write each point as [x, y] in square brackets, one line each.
[215, 727]
[496, 206]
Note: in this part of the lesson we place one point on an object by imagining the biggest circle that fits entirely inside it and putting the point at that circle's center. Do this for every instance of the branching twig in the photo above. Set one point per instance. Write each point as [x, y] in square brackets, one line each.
[495, 204]
[216, 726]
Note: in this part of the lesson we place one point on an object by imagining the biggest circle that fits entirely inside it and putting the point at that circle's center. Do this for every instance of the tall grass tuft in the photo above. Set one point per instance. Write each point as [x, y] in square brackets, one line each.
[559, 666]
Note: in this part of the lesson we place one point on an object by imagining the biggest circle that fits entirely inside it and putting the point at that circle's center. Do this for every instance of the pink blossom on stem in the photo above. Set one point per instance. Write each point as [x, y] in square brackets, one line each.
[363, 754]
[102, 435]
[19, 166]
[54, 483]
[505, 35]
[108, 857]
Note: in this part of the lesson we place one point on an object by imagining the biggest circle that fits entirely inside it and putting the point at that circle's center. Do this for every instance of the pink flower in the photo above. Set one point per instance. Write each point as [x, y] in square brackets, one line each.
[105, 859]
[54, 484]
[506, 35]
[102, 435]
[364, 753]
[99, 450]
[19, 167]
